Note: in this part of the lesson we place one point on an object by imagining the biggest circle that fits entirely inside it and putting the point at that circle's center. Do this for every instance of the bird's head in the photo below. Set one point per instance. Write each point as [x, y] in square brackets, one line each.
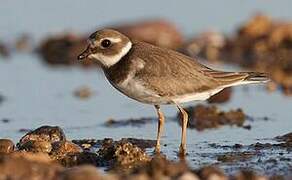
[107, 47]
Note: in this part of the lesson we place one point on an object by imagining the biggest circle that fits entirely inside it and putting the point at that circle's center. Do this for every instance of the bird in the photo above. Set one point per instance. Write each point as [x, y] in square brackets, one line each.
[159, 76]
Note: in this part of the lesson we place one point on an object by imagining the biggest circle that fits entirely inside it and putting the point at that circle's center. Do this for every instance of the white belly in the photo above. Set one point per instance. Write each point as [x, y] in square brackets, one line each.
[135, 90]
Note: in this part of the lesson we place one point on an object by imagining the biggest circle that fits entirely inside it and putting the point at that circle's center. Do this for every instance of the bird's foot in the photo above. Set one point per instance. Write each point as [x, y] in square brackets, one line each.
[157, 149]
[182, 151]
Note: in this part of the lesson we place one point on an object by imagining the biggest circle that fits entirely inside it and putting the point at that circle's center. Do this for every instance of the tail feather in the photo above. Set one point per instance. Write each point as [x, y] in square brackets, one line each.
[257, 77]
[228, 79]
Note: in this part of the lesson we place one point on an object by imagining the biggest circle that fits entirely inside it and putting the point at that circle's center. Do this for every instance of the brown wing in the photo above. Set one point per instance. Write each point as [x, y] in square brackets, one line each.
[170, 73]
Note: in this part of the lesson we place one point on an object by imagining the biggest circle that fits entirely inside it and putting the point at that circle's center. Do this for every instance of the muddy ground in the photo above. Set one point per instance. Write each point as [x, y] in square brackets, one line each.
[46, 153]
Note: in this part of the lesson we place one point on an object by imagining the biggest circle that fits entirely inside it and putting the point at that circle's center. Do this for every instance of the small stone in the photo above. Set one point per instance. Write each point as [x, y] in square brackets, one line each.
[83, 92]
[121, 155]
[128, 155]
[5, 120]
[24, 43]
[6, 146]
[86, 146]
[211, 173]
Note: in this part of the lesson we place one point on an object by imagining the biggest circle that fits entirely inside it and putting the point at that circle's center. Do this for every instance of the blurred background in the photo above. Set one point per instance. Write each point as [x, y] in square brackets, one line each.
[43, 17]
[42, 83]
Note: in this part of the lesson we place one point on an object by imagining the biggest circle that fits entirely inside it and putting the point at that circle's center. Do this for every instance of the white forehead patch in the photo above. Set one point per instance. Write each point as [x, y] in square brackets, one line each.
[110, 60]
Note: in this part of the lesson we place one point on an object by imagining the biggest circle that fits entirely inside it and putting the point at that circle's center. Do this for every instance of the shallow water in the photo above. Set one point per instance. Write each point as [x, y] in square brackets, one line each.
[37, 94]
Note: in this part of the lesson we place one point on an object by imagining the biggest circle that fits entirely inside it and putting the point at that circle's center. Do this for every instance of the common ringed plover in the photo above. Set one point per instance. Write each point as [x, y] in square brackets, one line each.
[157, 76]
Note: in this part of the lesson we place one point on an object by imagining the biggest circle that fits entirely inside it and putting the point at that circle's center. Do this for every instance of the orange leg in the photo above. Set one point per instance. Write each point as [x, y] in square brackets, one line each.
[184, 123]
[160, 127]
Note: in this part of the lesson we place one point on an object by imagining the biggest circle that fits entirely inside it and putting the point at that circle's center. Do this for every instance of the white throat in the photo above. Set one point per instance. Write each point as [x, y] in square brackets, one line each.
[108, 61]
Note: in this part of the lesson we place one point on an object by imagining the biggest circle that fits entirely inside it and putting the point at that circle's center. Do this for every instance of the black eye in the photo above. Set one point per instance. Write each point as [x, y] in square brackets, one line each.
[105, 43]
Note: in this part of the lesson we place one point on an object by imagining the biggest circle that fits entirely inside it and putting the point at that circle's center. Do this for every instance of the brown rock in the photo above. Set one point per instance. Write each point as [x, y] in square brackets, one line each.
[45, 133]
[202, 117]
[6, 146]
[62, 148]
[157, 32]
[121, 155]
[81, 173]
[27, 166]
[128, 155]
[211, 173]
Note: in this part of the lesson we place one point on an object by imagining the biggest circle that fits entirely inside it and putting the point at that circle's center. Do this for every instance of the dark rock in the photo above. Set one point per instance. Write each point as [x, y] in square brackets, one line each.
[158, 32]
[141, 143]
[75, 159]
[6, 146]
[202, 117]
[221, 97]
[286, 138]
[129, 122]
[61, 148]
[235, 156]
[45, 133]
[36, 146]
[121, 155]
[128, 155]
[5, 120]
